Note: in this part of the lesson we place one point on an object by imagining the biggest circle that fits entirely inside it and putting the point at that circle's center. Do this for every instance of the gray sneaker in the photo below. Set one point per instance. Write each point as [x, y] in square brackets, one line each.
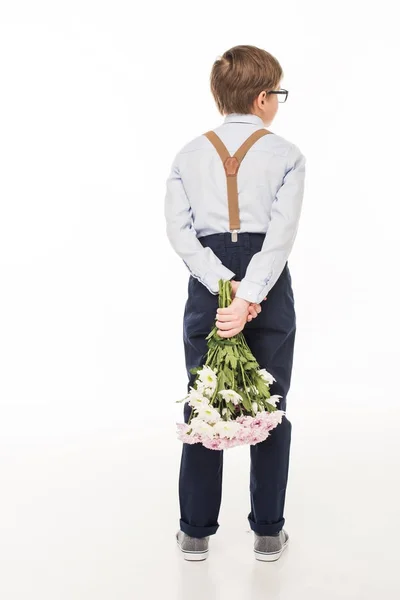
[192, 548]
[270, 547]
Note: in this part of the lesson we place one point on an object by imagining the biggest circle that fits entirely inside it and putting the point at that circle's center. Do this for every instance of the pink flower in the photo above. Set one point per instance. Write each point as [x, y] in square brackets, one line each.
[252, 431]
[212, 444]
[183, 435]
[257, 421]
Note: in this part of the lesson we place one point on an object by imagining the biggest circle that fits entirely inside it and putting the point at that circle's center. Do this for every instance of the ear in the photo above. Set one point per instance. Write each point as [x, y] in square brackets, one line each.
[262, 98]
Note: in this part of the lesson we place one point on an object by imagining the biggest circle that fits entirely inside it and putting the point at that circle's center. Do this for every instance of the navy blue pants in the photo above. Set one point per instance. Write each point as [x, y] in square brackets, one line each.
[271, 337]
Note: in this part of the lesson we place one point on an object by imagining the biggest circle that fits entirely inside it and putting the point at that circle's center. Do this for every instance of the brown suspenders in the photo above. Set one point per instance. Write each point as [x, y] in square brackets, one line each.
[231, 166]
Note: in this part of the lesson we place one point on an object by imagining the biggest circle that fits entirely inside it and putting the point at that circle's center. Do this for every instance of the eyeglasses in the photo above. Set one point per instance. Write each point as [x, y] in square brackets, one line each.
[283, 94]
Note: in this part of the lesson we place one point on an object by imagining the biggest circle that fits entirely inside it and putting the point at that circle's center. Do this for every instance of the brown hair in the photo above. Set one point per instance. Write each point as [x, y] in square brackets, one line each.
[240, 74]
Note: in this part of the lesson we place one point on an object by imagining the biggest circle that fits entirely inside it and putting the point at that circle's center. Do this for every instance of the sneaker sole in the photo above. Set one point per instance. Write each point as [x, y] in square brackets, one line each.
[270, 556]
[192, 555]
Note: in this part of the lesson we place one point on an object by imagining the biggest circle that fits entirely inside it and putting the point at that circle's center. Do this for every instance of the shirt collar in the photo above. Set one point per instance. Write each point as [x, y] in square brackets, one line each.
[244, 118]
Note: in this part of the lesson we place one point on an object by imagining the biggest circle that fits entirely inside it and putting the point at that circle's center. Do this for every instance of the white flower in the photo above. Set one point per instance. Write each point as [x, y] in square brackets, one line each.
[196, 398]
[255, 406]
[274, 399]
[252, 389]
[208, 413]
[227, 428]
[266, 376]
[200, 426]
[208, 377]
[203, 389]
[231, 396]
[224, 411]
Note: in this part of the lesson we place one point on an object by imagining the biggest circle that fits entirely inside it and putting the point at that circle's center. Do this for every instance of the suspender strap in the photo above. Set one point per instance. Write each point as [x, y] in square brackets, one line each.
[231, 166]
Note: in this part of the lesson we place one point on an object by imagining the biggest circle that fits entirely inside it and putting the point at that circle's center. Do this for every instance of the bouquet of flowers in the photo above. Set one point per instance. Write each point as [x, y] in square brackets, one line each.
[230, 398]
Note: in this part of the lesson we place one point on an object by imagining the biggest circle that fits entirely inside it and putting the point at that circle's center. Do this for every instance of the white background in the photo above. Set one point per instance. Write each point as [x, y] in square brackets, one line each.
[96, 99]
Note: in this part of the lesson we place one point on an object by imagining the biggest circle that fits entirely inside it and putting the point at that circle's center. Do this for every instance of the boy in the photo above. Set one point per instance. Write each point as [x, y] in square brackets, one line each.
[227, 222]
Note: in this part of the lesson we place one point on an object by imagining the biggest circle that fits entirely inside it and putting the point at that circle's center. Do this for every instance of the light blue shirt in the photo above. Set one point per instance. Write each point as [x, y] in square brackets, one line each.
[270, 187]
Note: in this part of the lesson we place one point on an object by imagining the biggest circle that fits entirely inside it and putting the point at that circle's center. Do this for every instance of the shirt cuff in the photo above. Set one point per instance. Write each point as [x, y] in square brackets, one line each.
[211, 278]
[250, 291]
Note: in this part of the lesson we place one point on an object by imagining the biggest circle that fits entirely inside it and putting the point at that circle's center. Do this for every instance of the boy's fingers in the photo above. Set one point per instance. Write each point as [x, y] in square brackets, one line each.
[224, 311]
[230, 333]
[224, 318]
[253, 309]
[226, 325]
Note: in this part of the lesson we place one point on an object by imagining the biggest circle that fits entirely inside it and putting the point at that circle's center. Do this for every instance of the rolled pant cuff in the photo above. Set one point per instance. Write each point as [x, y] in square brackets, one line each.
[266, 528]
[197, 532]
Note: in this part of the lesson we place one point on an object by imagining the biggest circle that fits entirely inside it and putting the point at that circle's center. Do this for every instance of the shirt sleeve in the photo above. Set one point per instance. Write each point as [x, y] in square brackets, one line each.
[201, 261]
[266, 265]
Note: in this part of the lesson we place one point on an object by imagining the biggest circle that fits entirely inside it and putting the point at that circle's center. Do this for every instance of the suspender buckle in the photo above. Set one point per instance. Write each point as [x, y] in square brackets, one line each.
[234, 235]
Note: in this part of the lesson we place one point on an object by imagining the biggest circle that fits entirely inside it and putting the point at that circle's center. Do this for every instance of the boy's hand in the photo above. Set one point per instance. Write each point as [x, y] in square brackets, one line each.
[234, 285]
[254, 308]
[233, 318]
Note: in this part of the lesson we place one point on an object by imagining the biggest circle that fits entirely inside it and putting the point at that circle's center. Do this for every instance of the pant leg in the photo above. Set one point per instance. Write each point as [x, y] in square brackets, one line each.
[200, 476]
[271, 338]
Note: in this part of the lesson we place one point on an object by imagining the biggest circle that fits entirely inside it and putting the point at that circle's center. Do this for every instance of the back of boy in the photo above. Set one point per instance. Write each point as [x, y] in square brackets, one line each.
[232, 209]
